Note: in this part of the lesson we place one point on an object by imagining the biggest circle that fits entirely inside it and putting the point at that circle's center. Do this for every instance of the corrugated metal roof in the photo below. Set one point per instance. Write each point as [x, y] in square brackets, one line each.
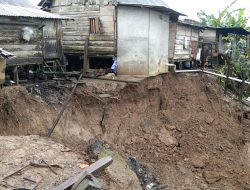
[153, 3]
[21, 3]
[157, 4]
[23, 8]
[5, 54]
[232, 30]
[195, 25]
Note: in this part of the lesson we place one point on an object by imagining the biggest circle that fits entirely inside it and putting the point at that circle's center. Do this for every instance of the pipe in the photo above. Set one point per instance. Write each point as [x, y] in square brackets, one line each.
[224, 76]
[188, 71]
[212, 73]
[171, 65]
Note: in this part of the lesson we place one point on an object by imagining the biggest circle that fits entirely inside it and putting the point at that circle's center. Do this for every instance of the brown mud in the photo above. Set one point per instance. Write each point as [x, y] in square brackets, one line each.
[181, 127]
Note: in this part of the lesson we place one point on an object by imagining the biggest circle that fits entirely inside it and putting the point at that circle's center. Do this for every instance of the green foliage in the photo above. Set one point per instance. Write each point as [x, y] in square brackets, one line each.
[240, 59]
[228, 17]
[241, 64]
[241, 68]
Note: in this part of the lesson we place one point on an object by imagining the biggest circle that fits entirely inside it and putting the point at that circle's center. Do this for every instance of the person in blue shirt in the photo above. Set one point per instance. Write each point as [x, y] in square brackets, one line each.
[114, 67]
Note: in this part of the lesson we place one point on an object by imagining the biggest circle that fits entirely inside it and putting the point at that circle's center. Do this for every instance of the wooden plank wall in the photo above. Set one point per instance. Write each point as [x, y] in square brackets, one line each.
[172, 36]
[76, 31]
[185, 36]
[52, 34]
[209, 36]
[11, 40]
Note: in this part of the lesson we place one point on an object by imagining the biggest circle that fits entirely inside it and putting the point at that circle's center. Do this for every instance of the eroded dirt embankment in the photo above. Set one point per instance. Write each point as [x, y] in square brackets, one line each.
[180, 126]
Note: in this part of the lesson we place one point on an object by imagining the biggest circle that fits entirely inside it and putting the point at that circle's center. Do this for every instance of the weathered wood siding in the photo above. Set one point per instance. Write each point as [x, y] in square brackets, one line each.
[186, 42]
[209, 36]
[52, 36]
[76, 31]
[11, 40]
[45, 42]
[2, 70]
[172, 35]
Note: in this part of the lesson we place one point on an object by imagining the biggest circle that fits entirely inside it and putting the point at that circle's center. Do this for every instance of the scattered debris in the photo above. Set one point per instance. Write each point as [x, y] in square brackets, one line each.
[147, 179]
[174, 133]
[5, 54]
[21, 159]
[92, 169]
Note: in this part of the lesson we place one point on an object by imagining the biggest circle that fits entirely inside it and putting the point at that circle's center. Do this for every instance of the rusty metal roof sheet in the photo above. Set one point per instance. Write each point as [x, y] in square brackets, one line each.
[23, 8]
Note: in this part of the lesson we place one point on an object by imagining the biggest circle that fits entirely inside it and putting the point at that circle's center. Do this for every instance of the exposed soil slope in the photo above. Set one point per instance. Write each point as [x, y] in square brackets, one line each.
[180, 126]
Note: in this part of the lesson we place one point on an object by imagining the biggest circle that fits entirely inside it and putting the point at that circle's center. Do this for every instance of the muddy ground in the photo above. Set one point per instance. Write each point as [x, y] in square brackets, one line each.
[181, 127]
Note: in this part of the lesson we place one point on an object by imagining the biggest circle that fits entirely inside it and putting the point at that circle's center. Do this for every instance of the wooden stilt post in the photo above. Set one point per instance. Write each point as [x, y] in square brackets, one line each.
[86, 56]
[242, 87]
[228, 72]
[15, 72]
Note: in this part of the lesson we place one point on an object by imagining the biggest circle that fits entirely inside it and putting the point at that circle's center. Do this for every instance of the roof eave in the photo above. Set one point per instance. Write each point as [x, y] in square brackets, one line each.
[192, 25]
[168, 10]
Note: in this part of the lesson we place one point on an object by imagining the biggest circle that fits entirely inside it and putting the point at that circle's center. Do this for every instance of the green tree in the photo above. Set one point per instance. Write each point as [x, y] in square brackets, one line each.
[228, 17]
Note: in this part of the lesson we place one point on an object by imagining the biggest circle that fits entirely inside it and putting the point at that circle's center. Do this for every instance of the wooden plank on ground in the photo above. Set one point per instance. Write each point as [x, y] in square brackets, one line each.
[92, 169]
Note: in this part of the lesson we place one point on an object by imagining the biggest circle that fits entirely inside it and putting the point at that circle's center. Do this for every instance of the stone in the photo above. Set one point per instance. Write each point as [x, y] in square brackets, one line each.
[199, 160]
[166, 138]
[209, 120]
[171, 127]
[212, 177]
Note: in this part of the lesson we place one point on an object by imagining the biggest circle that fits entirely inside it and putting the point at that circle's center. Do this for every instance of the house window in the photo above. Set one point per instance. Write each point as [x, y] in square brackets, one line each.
[94, 24]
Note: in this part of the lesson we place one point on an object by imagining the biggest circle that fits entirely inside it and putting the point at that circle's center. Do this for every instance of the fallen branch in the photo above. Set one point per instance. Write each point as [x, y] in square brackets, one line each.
[15, 172]
[94, 96]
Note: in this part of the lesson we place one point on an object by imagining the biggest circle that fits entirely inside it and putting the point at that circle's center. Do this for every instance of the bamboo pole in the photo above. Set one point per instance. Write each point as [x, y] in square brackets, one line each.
[64, 107]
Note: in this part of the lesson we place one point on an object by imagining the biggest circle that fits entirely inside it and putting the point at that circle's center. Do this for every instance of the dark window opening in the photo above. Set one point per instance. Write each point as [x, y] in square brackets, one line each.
[25, 73]
[100, 63]
[94, 26]
[75, 62]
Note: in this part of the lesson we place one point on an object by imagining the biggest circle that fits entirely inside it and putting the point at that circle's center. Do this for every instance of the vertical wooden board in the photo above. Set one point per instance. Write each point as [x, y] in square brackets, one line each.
[2, 70]
[172, 38]
[188, 31]
[50, 29]
[195, 33]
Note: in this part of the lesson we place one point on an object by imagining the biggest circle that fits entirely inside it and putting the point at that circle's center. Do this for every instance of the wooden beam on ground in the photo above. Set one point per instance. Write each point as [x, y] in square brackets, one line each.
[92, 169]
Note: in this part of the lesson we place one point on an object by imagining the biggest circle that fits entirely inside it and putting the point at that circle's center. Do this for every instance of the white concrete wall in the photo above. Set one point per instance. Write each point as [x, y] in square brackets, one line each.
[142, 41]
[158, 42]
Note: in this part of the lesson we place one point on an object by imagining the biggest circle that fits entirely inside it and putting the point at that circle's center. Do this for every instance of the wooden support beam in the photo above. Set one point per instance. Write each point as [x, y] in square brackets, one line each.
[86, 56]
[16, 76]
[64, 108]
[242, 88]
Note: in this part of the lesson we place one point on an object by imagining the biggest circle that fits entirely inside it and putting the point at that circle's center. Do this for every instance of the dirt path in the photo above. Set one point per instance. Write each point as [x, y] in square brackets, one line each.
[18, 152]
